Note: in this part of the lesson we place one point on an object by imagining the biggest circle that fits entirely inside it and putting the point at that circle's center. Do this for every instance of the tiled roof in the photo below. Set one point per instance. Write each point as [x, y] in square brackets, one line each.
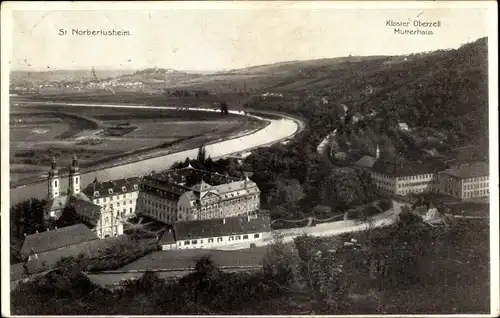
[58, 203]
[201, 187]
[469, 170]
[86, 208]
[17, 271]
[54, 239]
[366, 162]
[90, 249]
[217, 227]
[403, 169]
[110, 188]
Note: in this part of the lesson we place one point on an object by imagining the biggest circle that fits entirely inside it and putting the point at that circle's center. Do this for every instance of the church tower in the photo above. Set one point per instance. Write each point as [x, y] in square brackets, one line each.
[53, 181]
[74, 177]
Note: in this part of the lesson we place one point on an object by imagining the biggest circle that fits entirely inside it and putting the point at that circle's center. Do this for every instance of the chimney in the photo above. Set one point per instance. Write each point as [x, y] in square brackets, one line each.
[223, 220]
[25, 234]
[36, 231]
[55, 227]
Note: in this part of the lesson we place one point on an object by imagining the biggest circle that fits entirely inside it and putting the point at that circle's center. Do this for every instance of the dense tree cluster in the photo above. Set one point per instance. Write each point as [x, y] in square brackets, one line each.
[311, 276]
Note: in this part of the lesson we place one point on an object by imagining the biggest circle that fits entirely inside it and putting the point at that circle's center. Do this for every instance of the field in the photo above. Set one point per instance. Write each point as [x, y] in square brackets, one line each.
[188, 258]
[97, 134]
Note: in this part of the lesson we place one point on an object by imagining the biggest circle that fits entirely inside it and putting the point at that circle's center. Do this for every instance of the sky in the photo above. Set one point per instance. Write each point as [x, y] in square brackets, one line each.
[231, 37]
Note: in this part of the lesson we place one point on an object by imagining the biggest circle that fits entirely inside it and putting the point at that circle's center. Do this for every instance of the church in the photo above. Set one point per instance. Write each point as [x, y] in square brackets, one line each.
[102, 221]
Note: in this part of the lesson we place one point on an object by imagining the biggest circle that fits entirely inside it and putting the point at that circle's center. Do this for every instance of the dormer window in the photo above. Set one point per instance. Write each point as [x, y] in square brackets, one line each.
[136, 187]
[96, 194]
[110, 191]
[124, 189]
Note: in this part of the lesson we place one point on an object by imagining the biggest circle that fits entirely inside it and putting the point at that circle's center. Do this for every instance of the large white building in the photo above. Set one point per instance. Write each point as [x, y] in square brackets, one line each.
[215, 233]
[102, 221]
[190, 194]
[468, 182]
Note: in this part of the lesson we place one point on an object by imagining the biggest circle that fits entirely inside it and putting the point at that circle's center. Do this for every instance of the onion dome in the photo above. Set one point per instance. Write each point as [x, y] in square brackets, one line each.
[74, 166]
[53, 171]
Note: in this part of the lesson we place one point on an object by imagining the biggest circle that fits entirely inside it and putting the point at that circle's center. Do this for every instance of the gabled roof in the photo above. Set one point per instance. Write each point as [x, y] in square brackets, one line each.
[104, 189]
[216, 227]
[201, 187]
[469, 170]
[58, 203]
[85, 208]
[54, 239]
[366, 162]
[405, 168]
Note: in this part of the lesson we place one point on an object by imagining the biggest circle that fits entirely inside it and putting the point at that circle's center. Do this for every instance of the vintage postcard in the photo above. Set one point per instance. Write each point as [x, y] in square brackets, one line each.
[249, 158]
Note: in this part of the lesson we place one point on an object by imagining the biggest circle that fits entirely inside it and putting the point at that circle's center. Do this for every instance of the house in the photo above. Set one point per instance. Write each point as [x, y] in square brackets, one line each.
[216, 233]
[426, 210]
[403, 126]
[468, 182]
[50, 240]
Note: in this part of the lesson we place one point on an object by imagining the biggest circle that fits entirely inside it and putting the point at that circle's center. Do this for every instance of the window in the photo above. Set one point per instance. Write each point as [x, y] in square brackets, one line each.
[238, 237]
[136, 187]
[256, 236]
[96, 194]
[186, 242]
[201, 241]
[76, 180]
[124, 189]
[110, 191]
[55, 183]
[231, 238]
[210, 240]
[194, 242]
[219, 239]
[130, 210]
[245, 237]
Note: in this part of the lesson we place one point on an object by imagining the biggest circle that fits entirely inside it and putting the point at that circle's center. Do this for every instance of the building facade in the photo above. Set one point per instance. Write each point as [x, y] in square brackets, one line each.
[469, 182]
[190, 194]
[100, 220]
[216, 233]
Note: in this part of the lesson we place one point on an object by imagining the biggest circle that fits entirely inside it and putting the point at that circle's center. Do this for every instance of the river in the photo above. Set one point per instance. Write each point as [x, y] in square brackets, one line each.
[276, 131]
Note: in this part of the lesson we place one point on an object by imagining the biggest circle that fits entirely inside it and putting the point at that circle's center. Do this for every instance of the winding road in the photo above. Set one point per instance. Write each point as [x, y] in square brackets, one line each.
[278, 130]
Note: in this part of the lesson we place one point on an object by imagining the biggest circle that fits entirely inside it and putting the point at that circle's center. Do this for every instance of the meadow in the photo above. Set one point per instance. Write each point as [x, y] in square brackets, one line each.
[99, 134]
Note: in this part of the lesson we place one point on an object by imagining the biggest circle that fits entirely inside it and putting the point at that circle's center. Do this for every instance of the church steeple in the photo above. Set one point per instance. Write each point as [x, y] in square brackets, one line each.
[53, 181]
[74, 177]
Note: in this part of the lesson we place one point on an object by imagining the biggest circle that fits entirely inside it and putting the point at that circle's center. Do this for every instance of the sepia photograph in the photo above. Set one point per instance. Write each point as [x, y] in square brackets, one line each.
[249, 158]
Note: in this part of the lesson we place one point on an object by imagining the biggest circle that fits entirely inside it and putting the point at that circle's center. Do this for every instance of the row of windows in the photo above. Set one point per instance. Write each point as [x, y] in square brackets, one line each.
[476, 179]
[221, 239]
[476, 186]
[111, 205]
[418, 177]
[476, 193]
[115, 197]
[416, 184]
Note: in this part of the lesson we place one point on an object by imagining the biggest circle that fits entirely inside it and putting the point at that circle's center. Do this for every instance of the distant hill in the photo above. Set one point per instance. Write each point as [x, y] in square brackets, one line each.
[63, 75]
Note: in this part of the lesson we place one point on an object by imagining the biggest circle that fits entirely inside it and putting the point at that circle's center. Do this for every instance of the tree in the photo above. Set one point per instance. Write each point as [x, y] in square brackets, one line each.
[224, 109]
[202, 155]
[205, 266]
[28, 216]
[68, 217]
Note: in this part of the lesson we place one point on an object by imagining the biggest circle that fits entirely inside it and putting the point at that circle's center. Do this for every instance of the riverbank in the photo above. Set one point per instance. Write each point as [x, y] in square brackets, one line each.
[158, 151]
[277, 131]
